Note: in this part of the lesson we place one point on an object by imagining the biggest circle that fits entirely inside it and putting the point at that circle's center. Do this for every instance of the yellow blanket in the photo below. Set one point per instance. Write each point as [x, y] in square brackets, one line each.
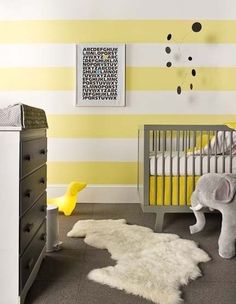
[176, 199]
[231, 124]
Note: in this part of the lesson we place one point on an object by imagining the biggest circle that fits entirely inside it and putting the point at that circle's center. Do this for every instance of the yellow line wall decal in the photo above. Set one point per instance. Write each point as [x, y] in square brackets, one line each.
[92, 172]
[37, 79]
[120, 126]
[124, 31]
[148, 79]
[137, 79]
[37, 67]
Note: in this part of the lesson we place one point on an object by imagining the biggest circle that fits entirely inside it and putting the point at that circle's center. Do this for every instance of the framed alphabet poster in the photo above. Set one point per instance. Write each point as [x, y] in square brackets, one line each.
[100, 75]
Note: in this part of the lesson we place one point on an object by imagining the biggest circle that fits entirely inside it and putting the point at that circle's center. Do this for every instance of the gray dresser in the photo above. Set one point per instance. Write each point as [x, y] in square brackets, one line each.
[23, 181]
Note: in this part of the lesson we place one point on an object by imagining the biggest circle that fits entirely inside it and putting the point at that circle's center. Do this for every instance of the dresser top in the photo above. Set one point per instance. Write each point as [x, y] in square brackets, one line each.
[9, 128]
[23, 116]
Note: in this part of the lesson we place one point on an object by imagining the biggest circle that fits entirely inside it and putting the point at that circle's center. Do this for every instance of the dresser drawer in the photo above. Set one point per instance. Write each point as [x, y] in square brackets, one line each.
[31, 221]
[29, 258]
[32, 187]
[33, 155]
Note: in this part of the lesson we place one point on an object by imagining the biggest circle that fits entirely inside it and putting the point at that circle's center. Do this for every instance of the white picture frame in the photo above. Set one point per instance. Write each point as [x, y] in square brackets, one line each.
[100, 75]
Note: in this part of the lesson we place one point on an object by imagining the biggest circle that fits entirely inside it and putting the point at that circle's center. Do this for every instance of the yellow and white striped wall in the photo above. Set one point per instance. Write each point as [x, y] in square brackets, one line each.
[98, 145]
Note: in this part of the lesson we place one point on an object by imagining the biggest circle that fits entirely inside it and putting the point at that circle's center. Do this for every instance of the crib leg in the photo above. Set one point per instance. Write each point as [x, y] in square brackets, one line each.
[159, 221]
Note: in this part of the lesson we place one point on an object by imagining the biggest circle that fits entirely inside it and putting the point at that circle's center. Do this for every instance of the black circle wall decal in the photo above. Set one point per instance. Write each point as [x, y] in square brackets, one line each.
[179, 90]
[168, 50]
[169, 36]
[196, 27]
[168, 64]
[190, 58]
[191, 86]
[193, 72]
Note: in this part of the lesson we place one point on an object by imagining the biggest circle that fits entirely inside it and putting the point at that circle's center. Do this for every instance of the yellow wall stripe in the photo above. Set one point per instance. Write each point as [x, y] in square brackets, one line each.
[137, 78]
[92, 172]
[37, 79]
[120, 126]
[127, 31]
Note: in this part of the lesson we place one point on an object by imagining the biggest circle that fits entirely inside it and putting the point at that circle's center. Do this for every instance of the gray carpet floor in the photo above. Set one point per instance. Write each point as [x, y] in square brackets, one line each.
[62, 278]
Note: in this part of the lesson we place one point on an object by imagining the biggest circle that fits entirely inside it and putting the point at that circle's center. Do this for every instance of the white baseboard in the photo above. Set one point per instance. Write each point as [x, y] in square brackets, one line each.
[100, 193]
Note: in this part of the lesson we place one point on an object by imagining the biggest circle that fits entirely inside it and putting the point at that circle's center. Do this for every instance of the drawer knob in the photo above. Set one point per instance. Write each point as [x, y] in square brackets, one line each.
[27, 157]
[43, 208]
[43, 237]
[28, 193]
[43, 151]
[30, 263]
[28, 227]
[42, 180]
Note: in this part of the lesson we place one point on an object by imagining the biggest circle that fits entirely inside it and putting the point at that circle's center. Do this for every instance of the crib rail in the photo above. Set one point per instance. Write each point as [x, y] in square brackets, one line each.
[180, 147]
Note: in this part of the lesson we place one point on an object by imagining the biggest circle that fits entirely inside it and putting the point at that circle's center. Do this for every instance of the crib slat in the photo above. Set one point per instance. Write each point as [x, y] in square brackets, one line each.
[159, 140]
[185, 169]
[193, 157]
[183, 141]
[171, 167]
[165, 141]
[216, 145]
[208, 151]
[200, 153]
[163, 167]
[230, 153]
[223, 153]
[189, 138]
[155, 166]
[178, 174]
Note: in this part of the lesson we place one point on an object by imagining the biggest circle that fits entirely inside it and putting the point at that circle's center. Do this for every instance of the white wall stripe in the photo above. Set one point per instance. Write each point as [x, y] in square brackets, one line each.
[122, 9]
[203, 55]
[137, 102]
[37, 55]
[137, 55]
[92, 150]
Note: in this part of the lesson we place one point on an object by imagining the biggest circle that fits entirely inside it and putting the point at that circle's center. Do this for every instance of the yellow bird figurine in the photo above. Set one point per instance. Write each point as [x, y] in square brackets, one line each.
[67, 202]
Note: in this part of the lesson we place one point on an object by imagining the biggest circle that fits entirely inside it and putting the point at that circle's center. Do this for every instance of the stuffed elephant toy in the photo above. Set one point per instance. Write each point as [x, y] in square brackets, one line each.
[217, 191]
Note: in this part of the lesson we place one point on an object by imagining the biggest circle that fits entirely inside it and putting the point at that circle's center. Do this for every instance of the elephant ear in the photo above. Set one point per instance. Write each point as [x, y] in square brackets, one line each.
[225, 191]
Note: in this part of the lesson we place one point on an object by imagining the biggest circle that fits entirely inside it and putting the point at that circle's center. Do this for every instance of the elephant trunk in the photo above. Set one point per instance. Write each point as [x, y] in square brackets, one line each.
[201, 221]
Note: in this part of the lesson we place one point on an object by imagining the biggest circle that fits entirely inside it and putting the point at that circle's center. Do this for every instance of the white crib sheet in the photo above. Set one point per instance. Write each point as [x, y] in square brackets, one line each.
[220, 161]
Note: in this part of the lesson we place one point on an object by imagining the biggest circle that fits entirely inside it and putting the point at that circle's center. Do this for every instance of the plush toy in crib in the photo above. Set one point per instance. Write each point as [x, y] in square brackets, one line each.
[217, 191]
[67, 202]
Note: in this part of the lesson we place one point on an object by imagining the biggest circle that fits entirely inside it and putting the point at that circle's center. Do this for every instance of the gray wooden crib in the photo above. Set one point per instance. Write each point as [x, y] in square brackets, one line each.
[171, 158]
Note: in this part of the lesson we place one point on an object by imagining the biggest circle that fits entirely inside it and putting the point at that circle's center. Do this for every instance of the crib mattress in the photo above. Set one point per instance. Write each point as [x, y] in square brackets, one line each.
[193, 164]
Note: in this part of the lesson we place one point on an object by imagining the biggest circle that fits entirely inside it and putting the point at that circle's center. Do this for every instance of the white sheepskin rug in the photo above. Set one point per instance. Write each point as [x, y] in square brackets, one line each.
[151, 265]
